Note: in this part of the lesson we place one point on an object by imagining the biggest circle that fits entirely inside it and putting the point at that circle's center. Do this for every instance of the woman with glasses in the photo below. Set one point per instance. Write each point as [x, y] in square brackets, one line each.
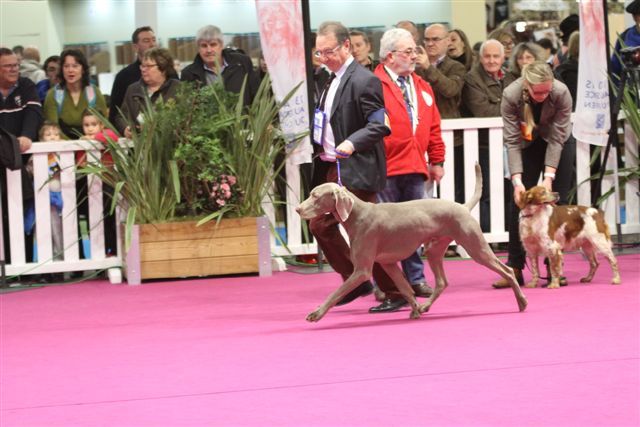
[536, 112]
[159, 81]
[508, 41]
[523, 55]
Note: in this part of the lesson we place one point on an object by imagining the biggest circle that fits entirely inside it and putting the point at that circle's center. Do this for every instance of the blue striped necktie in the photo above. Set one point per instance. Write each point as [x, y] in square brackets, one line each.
[405, 95]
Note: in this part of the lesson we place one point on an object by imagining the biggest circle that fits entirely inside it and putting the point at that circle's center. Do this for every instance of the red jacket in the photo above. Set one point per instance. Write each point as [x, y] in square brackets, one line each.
[107, 158]
[405, 150]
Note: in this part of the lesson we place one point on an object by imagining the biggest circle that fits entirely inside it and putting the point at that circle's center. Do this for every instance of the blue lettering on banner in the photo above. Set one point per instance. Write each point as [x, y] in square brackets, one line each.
[293, 116]
[600, 121]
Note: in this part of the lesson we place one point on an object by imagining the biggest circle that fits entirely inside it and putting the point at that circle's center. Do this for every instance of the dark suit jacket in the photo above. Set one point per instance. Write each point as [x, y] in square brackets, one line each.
[125, 78]
[358, 115]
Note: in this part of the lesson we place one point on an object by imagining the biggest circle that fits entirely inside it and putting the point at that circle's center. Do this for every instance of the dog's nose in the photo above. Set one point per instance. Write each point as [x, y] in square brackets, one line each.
[298, 209]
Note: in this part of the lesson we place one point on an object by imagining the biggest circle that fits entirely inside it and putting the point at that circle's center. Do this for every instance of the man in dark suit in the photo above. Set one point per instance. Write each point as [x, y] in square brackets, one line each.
[351, 108]
[143, 39]
[213, 62]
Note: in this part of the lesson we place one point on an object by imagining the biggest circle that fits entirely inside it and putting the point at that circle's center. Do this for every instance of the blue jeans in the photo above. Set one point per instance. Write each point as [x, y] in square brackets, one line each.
[402, 188]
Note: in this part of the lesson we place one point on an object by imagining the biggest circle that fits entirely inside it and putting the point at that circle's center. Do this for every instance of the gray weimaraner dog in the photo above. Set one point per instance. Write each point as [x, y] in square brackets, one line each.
[389, 232]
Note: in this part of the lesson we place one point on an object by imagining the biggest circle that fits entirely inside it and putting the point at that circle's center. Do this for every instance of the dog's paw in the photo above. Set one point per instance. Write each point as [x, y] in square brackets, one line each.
[585, 279]
[616, 281]
[315, 316]
[554, 285]
[531, 284]
[415, 313]
[424, 308]
[522, 304]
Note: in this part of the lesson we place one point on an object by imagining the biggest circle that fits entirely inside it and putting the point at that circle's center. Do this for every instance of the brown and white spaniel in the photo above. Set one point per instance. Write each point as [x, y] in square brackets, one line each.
[548, 230]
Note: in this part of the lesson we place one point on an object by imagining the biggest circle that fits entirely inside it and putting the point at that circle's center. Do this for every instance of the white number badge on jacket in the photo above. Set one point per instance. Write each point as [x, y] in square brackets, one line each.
[428, 99]
[319, 119]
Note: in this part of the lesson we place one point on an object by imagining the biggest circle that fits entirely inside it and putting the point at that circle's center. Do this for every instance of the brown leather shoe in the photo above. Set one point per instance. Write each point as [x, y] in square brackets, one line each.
[422, 290]
[503, 283]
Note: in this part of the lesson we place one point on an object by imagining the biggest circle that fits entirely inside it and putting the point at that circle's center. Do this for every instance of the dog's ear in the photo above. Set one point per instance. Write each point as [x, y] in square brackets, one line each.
[522, 201]
[344, 203]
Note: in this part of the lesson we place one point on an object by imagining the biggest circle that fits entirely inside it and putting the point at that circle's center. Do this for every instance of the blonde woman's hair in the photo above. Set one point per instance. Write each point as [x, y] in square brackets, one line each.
[573, 47]
[534, 73]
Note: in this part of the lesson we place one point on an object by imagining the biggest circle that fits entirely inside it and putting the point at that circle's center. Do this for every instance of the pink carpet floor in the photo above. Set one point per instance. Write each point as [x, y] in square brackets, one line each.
[238, 352]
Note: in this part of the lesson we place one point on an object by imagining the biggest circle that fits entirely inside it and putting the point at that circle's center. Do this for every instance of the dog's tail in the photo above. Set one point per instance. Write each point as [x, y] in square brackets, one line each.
[478, 190]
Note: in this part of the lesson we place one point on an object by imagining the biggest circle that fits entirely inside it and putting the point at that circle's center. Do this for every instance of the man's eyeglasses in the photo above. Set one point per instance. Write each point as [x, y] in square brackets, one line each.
[10, 66]
[147, 66]
[508, 44]
[407, 52]
[326, 52]
[433, 39]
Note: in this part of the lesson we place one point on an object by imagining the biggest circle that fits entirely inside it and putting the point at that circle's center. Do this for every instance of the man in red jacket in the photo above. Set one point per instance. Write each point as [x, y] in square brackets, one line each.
[415, 137]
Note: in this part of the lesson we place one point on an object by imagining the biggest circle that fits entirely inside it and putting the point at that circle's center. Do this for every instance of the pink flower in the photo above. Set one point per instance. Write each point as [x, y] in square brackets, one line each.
[231, 179]
[225, 187]
[221, 202]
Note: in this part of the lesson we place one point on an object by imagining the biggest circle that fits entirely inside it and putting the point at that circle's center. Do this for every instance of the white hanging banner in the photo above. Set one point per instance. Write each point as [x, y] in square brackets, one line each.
[592, 117]
[282, 40]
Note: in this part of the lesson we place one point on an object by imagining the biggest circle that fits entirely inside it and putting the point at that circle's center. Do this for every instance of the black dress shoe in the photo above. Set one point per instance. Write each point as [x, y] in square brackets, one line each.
[364, 289]
[389, 305]
[422, 290]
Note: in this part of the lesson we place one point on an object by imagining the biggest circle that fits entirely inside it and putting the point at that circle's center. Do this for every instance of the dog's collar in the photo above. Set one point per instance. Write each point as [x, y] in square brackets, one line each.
[525, 216]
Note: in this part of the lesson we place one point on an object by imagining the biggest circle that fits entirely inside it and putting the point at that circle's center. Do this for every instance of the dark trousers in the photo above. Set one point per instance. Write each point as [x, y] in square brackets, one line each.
[532, 167]
[335, 248]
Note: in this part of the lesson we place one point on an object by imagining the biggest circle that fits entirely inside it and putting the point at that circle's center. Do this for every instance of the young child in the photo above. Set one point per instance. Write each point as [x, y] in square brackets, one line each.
[50, 132]
[94, 130]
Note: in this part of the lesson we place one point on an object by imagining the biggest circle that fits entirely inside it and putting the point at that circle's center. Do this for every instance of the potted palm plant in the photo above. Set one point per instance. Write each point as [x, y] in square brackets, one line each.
[192, 181]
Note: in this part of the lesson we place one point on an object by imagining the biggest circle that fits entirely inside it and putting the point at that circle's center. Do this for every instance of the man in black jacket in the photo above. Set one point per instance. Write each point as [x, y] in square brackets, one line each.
[143, 39]
[213, 62]
[21, 115]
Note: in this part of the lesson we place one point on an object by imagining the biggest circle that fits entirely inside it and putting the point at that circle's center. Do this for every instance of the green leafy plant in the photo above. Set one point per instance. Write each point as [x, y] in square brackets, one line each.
[203, 154]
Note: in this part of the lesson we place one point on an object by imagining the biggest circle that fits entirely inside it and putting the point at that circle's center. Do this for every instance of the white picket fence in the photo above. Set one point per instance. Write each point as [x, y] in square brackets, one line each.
[71, 262]
[294, 234]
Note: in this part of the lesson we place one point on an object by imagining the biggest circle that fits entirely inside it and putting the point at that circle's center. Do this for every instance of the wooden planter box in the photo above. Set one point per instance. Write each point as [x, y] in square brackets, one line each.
[181, 249]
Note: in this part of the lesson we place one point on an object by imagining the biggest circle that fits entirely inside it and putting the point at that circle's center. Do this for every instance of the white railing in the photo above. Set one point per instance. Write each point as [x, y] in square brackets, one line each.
[295, 245]
[497, 233]
[71, 257]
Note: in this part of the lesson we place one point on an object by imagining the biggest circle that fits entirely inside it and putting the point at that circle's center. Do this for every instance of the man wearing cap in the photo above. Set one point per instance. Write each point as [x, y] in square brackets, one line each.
[568, 26]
